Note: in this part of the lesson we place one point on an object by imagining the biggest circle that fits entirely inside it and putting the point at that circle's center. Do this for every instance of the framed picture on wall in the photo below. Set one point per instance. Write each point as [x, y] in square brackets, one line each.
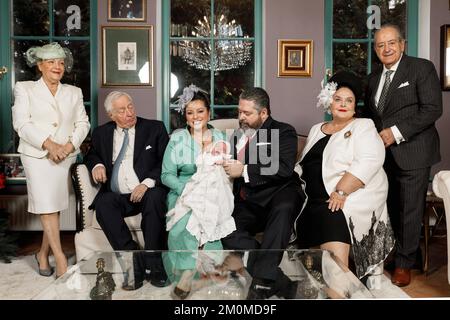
[127, 10]
[295, 58]
[127, 56]
[12, 167]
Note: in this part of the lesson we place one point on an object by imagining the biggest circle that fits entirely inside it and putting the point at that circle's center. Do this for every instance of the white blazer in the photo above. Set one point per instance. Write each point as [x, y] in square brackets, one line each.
[37, 115]
[359, 150]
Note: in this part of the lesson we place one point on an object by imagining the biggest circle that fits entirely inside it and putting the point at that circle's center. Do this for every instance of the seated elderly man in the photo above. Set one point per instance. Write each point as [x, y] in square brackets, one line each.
[126, 157]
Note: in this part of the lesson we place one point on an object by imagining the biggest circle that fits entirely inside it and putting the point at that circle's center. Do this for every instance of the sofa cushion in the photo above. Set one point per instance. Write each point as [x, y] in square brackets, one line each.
[225, 124]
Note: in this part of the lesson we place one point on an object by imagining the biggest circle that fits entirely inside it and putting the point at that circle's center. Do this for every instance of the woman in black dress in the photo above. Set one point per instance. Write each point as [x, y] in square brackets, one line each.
[342, 168]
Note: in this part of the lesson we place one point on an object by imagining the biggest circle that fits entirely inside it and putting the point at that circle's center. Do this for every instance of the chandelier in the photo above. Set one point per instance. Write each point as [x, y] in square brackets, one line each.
[227, 55]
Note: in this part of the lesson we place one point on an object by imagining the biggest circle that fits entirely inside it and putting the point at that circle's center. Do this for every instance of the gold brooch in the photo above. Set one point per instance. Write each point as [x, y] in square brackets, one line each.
[347, 134]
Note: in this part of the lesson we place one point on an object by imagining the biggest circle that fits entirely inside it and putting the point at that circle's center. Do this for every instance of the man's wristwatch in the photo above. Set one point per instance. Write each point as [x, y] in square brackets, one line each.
[342, 193]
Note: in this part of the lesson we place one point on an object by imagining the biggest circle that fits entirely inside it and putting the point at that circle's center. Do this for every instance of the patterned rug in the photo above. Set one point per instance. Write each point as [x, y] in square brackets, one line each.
[20, 280]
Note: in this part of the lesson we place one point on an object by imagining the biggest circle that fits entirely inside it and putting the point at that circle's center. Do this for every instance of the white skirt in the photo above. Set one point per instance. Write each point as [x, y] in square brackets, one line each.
[47, 184]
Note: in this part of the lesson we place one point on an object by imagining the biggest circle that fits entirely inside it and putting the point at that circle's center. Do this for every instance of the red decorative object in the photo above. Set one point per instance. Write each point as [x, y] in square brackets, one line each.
[2, 181]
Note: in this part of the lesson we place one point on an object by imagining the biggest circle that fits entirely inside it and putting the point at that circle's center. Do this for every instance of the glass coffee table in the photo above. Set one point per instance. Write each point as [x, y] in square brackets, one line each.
[217, 275]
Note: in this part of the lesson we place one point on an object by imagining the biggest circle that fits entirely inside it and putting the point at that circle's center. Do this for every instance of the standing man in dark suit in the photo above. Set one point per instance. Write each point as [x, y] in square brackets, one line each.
[268, 194]
[126, 157]
[404, 99]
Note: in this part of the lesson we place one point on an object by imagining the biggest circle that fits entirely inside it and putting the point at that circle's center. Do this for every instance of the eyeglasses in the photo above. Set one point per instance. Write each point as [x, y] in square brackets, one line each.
[390, 44]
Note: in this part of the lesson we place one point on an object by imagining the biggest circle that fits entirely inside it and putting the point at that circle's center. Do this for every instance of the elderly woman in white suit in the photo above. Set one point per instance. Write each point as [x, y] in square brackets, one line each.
[51, 122]
[346, 209]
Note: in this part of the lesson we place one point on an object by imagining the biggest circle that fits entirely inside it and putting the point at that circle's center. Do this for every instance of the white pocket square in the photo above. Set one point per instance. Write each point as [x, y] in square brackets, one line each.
[148, 147]
[263, 143]
[404, 84]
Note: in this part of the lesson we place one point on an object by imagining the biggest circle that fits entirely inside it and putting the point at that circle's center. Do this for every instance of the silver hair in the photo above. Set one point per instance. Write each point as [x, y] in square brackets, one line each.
[393, 26]
[113, 96]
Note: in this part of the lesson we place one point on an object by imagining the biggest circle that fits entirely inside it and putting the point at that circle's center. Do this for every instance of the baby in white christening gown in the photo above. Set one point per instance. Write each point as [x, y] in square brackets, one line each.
[209, 195]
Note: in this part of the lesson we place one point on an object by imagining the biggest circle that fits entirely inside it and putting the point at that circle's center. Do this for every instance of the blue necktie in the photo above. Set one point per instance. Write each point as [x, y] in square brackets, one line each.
[117, 163]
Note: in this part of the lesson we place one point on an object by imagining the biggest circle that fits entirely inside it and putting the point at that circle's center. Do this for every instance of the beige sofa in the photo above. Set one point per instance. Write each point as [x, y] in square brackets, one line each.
[90, 237]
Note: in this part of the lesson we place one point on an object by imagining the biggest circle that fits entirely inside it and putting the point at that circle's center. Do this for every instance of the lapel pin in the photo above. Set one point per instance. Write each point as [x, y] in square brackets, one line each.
[347, 134]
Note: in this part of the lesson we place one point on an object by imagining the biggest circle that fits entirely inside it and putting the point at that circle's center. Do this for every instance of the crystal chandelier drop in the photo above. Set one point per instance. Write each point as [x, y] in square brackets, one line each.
[228, 54]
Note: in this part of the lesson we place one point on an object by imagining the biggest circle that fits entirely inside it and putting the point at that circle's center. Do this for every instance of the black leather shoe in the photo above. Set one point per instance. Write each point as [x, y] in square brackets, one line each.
[283, 287]
[159, 279]
[130, 286]
[260, 289]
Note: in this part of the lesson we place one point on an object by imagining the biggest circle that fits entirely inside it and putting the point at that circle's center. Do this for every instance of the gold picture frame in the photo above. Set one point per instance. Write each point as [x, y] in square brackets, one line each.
[295, 58]
[126, 10]
[127, 56]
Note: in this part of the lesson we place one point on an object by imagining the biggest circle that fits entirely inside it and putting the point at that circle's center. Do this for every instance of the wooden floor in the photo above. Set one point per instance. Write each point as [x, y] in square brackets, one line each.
[433, 284]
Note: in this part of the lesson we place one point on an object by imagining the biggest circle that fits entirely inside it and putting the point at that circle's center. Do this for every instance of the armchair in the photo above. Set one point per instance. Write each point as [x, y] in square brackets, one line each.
[441, 188]
[90, 237]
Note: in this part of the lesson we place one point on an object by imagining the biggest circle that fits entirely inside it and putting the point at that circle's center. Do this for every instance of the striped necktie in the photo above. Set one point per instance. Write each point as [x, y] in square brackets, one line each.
[384, 92]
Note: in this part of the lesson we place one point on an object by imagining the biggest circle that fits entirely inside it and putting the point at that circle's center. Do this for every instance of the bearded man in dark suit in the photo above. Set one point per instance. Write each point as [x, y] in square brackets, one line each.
[404, 99]
[126, 157]
[268, 193]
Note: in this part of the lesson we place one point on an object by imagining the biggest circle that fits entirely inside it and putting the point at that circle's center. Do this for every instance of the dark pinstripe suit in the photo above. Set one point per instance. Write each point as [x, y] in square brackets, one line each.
[413, 108]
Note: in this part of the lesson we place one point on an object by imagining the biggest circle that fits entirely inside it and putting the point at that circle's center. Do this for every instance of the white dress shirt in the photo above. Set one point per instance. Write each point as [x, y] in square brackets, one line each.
[397, 134]
[242, 144]
[128, 180]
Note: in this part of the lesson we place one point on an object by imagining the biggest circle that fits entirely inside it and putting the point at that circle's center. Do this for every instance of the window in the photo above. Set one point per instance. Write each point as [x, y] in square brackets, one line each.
[349, 32]
[214, 44]
[73, 24]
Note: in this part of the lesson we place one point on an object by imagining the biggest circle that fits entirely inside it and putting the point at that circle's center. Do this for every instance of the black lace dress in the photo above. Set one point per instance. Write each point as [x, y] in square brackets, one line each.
[317, 224]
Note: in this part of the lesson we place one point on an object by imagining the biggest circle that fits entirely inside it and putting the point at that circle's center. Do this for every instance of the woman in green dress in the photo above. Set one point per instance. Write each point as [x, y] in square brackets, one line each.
[177, 169]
